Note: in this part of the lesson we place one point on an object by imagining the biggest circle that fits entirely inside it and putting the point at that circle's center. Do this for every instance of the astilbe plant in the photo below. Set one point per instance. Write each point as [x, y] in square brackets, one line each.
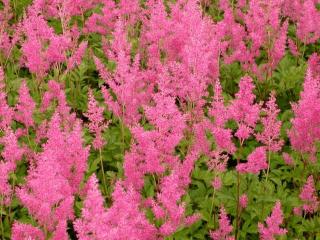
[274, 221]
[262, 27]
[6, 112]
[305, 129]
[225, 229]
[270, 136]
[309, 197]
[96, 123]
[159, 62]
[38, 57]
[128, 82]
[257, 161]
[123, 220]
[11, 154]
[244, 110]
[306, 17]
[25, 107]
[111, 12]
[50, 185]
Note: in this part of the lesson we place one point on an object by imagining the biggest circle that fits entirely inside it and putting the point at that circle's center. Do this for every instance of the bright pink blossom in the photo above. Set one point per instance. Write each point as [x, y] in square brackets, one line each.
[274, 221]
[96, 121]
[243, 201]
[287, 159]
[257, 161]
[270, 136]
[25, 106]
[6, 112]
[225, 228]
[123, 220]
[305, 129]
[243, 108]
[22, 231]
[309, 196]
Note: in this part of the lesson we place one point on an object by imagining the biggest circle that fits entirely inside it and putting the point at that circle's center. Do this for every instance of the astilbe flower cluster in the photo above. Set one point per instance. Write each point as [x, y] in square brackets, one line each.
[36, 56]
[262, 26]
[305, 129]
[306, 16]
[25, 107]
[257, 161]
[162, 79]
[111, 12]
[96, 123]
[128, 82]
[56, 94]
[308, 196]
[123, 220]
[225, 229]
[6, 112]
[51, 184]
[11, 154]
[274, 221]
[7, 40]
[155, 148]
[222, 136]
[244, 110]
[172, 188]
[270, 136]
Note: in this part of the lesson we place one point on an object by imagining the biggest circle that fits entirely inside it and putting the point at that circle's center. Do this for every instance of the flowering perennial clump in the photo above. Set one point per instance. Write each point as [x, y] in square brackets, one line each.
[157, 119]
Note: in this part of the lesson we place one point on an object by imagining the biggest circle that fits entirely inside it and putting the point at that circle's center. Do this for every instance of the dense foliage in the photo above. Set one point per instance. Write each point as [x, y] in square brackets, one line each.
[146, 119]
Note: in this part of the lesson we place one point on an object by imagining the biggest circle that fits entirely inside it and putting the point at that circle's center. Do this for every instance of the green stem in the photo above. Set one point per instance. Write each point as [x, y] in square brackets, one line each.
[266, 181]
[211, 209]
[1, 222]
[268, 170]
[238, 205]
[238, 196]
[122, 135]
[103, 175]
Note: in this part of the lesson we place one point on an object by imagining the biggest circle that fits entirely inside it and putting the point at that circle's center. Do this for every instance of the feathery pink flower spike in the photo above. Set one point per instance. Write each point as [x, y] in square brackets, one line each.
[274, 221]
[225, 228]
[257, 161]
[309, 196]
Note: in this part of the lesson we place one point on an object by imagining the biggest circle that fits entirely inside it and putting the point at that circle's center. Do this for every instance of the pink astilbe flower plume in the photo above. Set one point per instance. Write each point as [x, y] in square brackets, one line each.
[270, 136]
[293, 47]
[96, 121]
[225, 228]
[244, 110]
[122, 221]
[308, 18]
[128, 82]
[287, 159]
[92, 212]
[104, 22]
[172, 188]
[76, 58]
[22, 231]
[25, 106]
[305, 129]
[309, 196]
[6, 112]
[257, 161]
[42, 47]
[243, 201]
[262, 26]
[218, 110]
[11, 154]
[154, 149]
[48, 193]
[273, 228]
[56, 92]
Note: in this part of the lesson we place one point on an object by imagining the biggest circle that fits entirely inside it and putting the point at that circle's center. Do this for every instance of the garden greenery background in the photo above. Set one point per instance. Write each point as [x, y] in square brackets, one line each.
[146, 119]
